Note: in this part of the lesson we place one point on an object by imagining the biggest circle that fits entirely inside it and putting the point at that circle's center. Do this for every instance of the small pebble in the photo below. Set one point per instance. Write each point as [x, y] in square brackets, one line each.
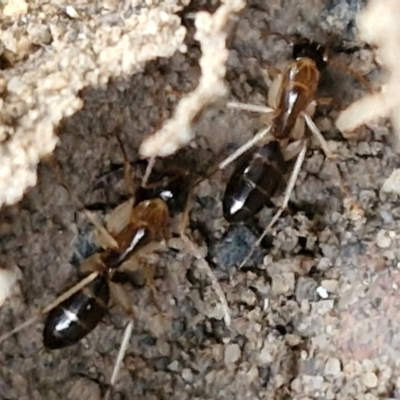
[71, 12]
[352, 369]
[283, 283]
[370, 379]
[332, 366]
[331, 285]
[187, 375]
[322, 292]
[174, 366]
[383, 239]
[232, 353]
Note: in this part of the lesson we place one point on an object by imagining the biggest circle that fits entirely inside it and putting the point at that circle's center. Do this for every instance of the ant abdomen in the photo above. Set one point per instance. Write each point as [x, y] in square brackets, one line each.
[75, 317]
[254, 181]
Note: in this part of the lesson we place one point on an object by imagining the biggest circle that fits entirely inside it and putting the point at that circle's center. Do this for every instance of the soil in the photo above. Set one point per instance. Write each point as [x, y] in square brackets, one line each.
[314, 315]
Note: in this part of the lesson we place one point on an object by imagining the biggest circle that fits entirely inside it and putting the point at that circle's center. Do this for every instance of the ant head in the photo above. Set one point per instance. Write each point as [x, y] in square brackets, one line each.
[308, 48]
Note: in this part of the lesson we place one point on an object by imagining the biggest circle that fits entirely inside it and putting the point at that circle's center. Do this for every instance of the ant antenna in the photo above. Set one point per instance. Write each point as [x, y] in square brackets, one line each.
[356, 75]
[278, 34]
[128, 173]
[242, 149]
[147, 173]
[92, 217]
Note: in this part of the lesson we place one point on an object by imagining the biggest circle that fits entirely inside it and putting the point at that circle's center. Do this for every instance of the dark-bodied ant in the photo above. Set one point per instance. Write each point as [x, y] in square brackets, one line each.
[260, 170]
[135, 227]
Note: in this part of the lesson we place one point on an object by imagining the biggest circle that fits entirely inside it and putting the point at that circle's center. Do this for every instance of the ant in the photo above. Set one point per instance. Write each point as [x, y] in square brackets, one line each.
[135, 227]
[260, 170]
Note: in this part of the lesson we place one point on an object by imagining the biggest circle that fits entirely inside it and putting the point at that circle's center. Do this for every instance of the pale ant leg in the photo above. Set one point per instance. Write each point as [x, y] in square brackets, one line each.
[195, 251]
[205, 267]
[122, 351]
[350, 203]
[275, 91]
[250, 107]
[107, 238]
[119, 218]
[288, 192]
[318, 135]
[149, 273]
[121, 298]
[147, 173]
[258, 137]
[245, 147]
[66, 295]
[273, 98]
[249, 144]
[292, 150]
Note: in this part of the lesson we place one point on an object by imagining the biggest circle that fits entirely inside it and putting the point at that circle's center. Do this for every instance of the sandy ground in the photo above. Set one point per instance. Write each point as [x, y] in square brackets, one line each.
[286, 341]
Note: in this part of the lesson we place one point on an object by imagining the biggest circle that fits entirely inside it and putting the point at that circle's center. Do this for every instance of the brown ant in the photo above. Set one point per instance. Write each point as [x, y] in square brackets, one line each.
[134, 228]
[260, 170]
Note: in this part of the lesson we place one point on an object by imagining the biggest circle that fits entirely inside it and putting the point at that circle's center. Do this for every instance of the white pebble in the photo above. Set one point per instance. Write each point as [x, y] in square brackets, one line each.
[322, 292]
[71, 12]
[232, 353]
[8, 279]
[187, 375]
[383, 239]
[332, 366]
[370, 379]
[174, 366]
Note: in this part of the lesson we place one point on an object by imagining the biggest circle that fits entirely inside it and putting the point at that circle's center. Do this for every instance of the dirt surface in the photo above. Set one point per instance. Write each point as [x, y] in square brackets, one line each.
[315, 318]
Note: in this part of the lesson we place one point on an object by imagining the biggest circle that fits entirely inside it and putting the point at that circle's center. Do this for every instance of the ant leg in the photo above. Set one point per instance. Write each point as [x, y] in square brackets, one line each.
[355, 211]
[121, 298]
[318, 135]
[250, 107]
[292, 150]
[264, 134]
[149, 273]
[289, 189]
[122, 350]
[280, 36]
[147, 173]
[137, 263]
[245, 147]
[205, 267]
[356, 75]
[275, 91]
[119, 218]
[107, 238]
[350, 203]
[195, 251]
[66, 295]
